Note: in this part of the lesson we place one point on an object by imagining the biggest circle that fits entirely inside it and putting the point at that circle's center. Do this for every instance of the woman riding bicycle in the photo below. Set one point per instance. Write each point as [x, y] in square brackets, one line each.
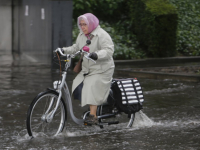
[92, 83]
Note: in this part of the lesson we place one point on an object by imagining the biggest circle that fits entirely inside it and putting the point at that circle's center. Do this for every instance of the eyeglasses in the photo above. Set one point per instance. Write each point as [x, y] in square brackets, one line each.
[83, 24]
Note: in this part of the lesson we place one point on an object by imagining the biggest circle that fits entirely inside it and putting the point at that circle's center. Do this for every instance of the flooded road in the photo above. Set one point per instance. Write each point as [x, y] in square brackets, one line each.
[170, 118]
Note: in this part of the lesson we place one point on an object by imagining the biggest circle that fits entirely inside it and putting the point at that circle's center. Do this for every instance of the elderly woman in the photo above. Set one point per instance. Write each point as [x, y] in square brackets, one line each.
[94, 79]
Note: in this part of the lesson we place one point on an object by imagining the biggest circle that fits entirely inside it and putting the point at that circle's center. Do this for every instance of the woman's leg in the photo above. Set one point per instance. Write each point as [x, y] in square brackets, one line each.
[92, 118]
[93, 110]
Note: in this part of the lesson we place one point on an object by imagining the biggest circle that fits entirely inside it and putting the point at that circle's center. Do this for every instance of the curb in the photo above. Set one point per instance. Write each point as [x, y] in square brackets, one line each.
[155, 75]
[157, 62]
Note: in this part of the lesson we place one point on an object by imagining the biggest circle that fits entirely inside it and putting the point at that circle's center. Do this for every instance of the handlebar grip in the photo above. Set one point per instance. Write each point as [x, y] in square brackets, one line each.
[59, 50]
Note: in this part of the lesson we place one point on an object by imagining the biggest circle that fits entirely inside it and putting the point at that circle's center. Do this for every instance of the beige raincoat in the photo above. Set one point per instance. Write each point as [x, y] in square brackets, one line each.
[97, 83]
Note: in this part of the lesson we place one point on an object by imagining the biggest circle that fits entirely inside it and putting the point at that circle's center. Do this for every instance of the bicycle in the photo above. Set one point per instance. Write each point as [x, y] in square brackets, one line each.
[47, 114]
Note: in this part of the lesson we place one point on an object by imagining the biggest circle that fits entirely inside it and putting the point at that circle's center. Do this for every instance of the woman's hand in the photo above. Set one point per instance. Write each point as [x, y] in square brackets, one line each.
[93, 55]
[60, 52]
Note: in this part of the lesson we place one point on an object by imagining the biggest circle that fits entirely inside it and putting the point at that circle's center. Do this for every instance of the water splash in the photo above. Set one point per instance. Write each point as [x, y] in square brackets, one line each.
[92, 130]
[22, 136]
[142, 120]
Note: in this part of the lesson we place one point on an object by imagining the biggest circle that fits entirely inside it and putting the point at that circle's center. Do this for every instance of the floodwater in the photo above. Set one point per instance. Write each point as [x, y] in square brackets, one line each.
[170, 119]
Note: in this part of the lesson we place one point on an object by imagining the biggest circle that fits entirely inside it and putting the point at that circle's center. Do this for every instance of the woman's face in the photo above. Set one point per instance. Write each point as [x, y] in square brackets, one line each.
[84, 27]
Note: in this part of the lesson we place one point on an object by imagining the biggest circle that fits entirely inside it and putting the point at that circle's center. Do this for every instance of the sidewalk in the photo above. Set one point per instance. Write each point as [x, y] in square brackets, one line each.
[176, 68]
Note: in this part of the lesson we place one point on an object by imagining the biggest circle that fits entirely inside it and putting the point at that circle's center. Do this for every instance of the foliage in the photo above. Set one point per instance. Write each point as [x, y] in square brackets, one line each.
[117, 19]
[155, 24]
[188, 35]
[160, 7]
[104, 9]
[125, 44]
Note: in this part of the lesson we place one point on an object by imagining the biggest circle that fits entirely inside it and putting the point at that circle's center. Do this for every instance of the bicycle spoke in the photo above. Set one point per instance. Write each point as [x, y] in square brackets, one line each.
[58, 112]
[37, 126]
[36, 118]
[46, 105]
[43, 127]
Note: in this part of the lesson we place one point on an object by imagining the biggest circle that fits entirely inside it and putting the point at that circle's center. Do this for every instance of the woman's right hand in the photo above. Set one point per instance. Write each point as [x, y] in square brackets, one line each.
[60, 51]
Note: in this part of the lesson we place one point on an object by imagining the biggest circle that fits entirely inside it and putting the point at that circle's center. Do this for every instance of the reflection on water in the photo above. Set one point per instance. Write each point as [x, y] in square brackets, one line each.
[171, 110]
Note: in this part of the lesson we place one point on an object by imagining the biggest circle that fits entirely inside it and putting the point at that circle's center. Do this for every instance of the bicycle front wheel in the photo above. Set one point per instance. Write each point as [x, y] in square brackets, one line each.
[40, 120]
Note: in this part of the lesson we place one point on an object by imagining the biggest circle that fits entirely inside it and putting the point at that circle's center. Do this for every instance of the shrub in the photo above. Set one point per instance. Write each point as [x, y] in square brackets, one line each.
[188, 34]
[105, 9]
[155, 26]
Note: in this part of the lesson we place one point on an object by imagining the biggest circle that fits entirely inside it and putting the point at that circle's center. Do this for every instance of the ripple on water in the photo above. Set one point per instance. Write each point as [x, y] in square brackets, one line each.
[12, 92]
[168, 90]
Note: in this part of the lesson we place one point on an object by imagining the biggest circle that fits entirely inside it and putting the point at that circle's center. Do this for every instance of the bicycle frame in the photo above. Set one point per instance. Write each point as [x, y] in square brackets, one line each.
[68, 101]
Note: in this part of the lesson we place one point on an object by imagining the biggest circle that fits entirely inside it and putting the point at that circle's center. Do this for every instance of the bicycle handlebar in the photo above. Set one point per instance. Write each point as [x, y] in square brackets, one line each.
[86, 54]
[60, 52]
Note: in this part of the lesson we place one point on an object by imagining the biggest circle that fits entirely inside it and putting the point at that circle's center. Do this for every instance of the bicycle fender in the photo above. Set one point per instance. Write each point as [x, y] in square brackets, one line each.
[48, 89]
[53, 90]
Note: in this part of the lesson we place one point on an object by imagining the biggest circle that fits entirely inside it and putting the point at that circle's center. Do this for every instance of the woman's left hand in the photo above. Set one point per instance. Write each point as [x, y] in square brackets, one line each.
[93, 55]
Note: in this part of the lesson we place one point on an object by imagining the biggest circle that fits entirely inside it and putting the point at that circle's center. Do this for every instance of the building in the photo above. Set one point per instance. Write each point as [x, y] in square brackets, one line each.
[35, 28]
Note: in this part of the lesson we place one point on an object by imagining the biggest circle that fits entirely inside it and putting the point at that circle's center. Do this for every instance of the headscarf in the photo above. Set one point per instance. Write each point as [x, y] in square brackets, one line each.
[91, 20]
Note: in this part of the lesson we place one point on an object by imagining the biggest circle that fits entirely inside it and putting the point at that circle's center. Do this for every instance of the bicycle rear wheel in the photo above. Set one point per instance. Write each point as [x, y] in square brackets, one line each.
[38, 121]
[131, 120]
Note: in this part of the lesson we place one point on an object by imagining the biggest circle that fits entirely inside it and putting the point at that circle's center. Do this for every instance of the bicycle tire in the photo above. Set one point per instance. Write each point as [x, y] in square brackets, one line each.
[131, 120]
[36, 122]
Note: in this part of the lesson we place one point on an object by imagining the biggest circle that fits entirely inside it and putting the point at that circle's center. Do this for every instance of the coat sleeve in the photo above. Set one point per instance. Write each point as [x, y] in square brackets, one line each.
[72, 49]
[107, 47]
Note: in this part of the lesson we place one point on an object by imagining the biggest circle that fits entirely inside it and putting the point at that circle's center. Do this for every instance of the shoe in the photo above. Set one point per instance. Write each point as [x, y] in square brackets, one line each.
[90, 120]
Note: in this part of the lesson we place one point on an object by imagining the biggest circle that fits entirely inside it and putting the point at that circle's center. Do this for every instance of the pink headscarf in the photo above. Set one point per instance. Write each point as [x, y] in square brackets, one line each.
[91, 20]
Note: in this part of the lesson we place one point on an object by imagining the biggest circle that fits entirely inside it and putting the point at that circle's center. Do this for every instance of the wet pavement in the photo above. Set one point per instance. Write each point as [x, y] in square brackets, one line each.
[170, 118]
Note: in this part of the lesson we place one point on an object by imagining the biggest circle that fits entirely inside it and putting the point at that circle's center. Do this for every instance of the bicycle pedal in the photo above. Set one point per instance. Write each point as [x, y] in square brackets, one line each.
[87, 124]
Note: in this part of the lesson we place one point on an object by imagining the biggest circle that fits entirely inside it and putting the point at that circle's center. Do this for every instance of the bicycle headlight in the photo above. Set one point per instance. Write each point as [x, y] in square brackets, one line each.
[56, 85]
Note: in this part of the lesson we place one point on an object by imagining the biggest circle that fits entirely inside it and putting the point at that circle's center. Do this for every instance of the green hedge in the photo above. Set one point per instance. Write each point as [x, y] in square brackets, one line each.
[109, 10]
[188, 35]
[155, 25]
